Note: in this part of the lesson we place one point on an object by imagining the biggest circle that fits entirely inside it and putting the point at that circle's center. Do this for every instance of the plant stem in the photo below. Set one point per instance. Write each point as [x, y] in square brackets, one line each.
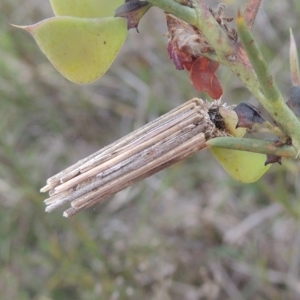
[260, 66]
[183, 12]
[251, 12]
[253, 145]
[273, 100]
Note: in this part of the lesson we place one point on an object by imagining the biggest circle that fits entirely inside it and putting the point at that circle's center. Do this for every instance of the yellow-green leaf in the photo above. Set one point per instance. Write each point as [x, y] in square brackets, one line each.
[85, 8]
[80, 49]
[243, 166]
[246, 167]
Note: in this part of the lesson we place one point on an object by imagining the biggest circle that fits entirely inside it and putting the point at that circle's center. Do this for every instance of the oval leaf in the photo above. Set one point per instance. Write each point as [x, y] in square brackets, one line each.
[85, 8]
[246, 167]
[80, 49]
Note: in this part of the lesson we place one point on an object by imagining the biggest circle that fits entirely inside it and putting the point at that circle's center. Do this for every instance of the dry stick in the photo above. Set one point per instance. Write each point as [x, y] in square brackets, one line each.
[149, 138]
[164, 122]
[171, 138]
[137, 162]
[251, 12]
[73, 170]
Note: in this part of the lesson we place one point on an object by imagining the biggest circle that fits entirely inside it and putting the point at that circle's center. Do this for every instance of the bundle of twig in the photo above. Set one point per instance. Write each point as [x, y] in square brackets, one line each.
[155, 146]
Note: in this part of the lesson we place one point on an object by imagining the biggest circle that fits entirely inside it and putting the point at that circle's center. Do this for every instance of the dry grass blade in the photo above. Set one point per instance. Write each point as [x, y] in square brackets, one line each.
[157, 145]
[294, 61]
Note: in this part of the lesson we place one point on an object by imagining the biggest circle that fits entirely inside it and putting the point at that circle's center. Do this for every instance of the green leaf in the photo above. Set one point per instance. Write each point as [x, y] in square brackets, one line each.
[85, 8]
[80, 49]
[246, 167]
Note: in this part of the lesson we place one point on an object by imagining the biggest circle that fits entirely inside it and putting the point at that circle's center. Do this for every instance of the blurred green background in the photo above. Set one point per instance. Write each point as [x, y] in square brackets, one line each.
[187, 233]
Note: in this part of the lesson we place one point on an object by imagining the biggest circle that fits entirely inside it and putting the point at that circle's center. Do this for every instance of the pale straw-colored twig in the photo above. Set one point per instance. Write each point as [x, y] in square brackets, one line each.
[155, 146]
